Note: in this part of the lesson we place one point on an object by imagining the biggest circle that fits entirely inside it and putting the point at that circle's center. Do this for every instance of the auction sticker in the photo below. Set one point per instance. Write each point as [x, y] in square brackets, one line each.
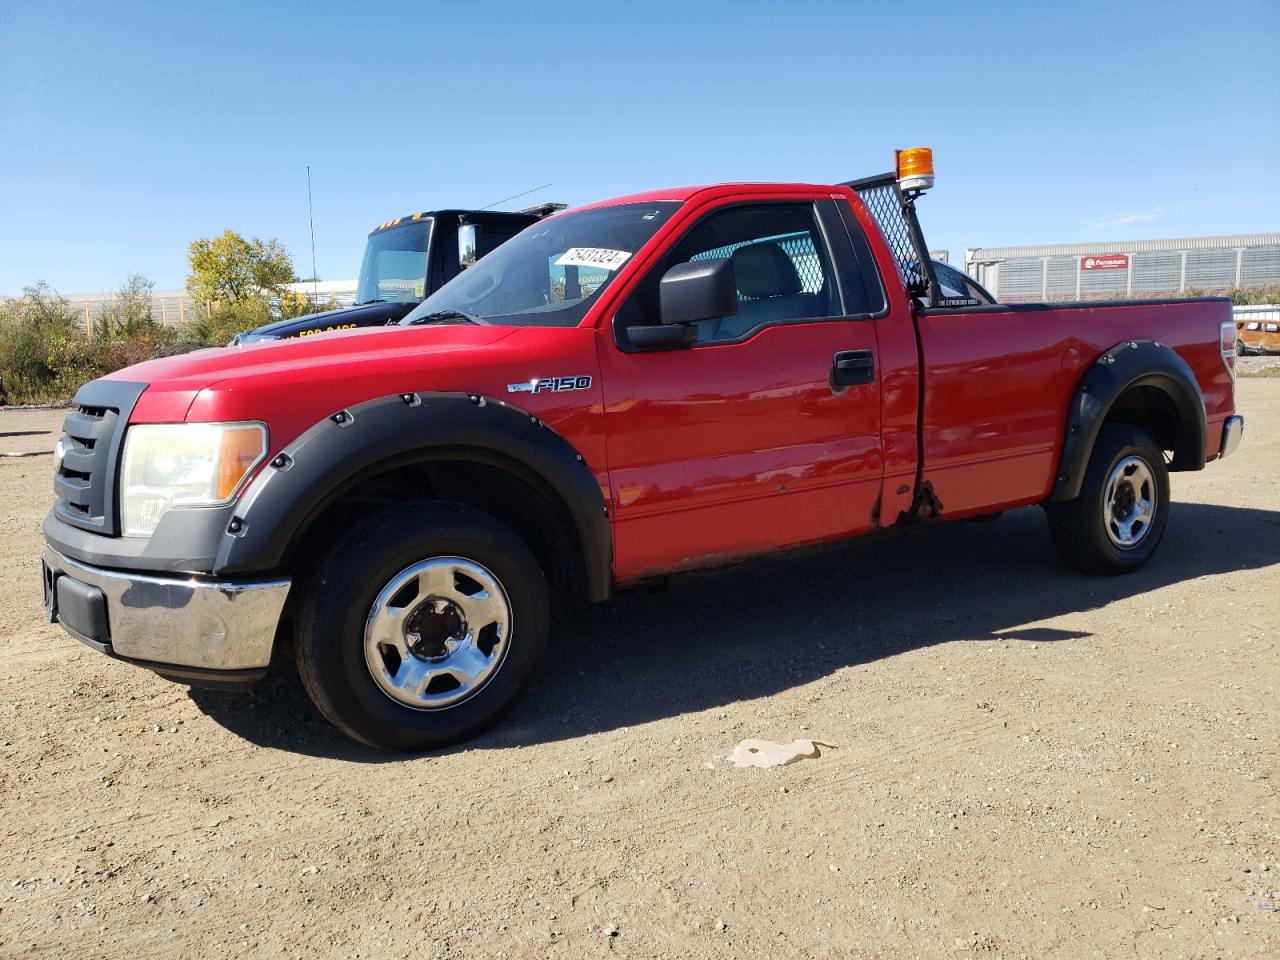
[593, 257]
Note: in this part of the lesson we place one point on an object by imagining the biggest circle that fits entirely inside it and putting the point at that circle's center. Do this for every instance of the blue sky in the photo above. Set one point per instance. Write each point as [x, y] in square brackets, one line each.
[129, 129]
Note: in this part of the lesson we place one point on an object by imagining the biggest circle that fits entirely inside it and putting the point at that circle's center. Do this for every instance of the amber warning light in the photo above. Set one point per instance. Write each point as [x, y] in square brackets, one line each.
[915, 168]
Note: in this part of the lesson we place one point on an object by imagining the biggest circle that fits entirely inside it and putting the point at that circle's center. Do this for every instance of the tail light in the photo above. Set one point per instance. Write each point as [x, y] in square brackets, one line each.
[1227, 345]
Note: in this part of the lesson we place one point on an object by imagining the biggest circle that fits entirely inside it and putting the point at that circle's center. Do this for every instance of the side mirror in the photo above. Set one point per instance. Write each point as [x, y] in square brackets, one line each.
[698, 290]
[468, 245]
[688, 292]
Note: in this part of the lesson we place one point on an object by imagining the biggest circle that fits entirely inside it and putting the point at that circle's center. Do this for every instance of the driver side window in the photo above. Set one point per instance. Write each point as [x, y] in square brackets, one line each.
[781, 266]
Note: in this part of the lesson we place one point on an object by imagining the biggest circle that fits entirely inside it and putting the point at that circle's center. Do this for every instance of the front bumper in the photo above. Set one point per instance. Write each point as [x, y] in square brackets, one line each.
[196, 631]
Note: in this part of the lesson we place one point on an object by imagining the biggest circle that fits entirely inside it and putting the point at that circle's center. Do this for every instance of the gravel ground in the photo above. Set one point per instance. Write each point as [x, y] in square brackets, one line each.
[1027, 763]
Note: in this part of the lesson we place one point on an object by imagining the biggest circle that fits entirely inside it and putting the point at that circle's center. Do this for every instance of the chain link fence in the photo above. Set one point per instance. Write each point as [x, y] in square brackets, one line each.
[173, 308]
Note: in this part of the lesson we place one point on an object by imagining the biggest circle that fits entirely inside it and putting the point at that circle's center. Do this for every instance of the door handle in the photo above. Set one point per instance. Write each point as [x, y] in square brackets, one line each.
[852, 368]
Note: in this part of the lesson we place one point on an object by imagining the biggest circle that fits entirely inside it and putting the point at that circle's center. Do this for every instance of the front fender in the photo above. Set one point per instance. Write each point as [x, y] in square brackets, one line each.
[338, 452]
[1134, 363]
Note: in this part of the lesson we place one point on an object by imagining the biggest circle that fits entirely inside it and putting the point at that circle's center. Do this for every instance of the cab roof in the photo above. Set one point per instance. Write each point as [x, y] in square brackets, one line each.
[681, 194]
[670, 194]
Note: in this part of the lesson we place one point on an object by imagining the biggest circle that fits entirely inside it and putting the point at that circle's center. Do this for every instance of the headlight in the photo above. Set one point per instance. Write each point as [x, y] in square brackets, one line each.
[184, 465]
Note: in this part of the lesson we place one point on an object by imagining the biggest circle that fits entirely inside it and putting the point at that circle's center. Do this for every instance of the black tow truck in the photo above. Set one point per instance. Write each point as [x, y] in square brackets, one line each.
[405, 260]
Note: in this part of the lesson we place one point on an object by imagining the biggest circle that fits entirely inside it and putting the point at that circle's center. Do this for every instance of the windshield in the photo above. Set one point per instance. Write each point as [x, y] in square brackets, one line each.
[394, 268]
[551, 273]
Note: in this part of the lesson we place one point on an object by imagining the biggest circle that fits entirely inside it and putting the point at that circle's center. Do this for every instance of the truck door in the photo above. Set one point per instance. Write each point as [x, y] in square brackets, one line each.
[763, 434]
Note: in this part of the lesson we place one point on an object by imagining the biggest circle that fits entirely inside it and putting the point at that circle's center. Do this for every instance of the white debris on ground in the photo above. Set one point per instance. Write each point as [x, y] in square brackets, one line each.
[766, 753]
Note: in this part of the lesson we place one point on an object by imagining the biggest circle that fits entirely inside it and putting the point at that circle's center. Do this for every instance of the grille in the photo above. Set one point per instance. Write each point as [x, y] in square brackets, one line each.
[78, 482]
[84, 482]
[881, 197]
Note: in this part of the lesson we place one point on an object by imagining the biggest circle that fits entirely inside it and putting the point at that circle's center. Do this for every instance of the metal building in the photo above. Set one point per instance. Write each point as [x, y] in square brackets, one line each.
[1141, 268]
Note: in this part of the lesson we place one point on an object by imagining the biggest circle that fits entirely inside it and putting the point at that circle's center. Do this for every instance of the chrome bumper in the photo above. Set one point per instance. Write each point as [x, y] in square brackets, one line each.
[1232, 431]
[196, 627]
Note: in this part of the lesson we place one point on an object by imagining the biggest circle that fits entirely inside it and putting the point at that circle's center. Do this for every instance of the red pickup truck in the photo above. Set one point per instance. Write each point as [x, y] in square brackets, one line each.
[662, 382]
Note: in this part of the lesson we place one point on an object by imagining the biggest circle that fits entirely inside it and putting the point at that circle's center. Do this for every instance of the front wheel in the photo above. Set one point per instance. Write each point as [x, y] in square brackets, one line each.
[1115, 524]
[421, 626]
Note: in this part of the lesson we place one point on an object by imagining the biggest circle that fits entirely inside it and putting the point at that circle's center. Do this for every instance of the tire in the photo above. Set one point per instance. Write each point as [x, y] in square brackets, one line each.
[1094, 535]
[408, 576]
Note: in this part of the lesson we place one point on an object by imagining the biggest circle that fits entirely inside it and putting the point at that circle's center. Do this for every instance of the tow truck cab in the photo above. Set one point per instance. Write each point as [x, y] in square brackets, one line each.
[404, 260]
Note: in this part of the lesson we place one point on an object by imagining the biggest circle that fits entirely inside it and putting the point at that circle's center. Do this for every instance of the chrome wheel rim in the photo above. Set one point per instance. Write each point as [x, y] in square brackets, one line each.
[437, 633]
[1129, 502]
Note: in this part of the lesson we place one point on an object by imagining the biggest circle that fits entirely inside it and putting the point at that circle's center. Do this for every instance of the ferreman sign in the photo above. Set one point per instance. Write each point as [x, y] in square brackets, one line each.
[1110, 261]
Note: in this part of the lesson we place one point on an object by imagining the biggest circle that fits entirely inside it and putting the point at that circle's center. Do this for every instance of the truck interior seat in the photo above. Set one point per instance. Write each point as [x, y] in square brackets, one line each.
[771, 288]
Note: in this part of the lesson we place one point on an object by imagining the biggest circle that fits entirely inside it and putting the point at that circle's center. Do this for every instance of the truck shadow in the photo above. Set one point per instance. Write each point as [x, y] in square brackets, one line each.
[714, 639]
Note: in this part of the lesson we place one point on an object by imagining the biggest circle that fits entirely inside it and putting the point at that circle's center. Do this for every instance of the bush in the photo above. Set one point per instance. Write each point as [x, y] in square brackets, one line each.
[74, 360]
[121, 352]
[46, 357]
[1240, 296]
[38, 335]
[215, 325]
[1269, 293]
[298, 305]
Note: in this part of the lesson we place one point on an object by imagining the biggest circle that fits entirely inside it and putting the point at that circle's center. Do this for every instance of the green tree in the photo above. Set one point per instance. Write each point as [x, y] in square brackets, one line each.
[130, 314]
[231, 280]
[229, 270]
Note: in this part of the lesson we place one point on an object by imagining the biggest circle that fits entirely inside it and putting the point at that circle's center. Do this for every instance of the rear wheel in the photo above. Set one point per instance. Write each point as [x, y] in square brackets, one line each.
[421, 627]
[1119, 517]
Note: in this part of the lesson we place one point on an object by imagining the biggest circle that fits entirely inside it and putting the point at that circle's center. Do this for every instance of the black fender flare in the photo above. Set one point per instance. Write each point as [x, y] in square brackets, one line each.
[350, 445]
[1134, 363]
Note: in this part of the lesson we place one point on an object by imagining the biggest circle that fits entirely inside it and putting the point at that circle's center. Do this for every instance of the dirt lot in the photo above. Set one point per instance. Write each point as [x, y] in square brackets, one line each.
[1028, 764]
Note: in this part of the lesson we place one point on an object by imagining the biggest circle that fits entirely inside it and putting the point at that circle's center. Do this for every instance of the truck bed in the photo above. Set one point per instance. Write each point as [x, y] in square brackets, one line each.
[998, 381]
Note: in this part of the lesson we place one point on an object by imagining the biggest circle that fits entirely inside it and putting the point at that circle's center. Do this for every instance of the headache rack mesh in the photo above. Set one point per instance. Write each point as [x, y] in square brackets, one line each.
[798, 246]
[883, 200]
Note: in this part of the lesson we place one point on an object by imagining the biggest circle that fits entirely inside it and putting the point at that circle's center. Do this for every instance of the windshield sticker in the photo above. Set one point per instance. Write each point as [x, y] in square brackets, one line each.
[593, 257]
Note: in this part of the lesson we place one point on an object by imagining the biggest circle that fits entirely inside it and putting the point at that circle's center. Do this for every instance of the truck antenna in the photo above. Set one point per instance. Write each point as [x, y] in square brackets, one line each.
[315, 281]
[514, 196]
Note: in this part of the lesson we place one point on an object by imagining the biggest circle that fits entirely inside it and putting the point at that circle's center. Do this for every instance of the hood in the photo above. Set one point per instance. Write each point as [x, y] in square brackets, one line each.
[365, 315]
[279, 368]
